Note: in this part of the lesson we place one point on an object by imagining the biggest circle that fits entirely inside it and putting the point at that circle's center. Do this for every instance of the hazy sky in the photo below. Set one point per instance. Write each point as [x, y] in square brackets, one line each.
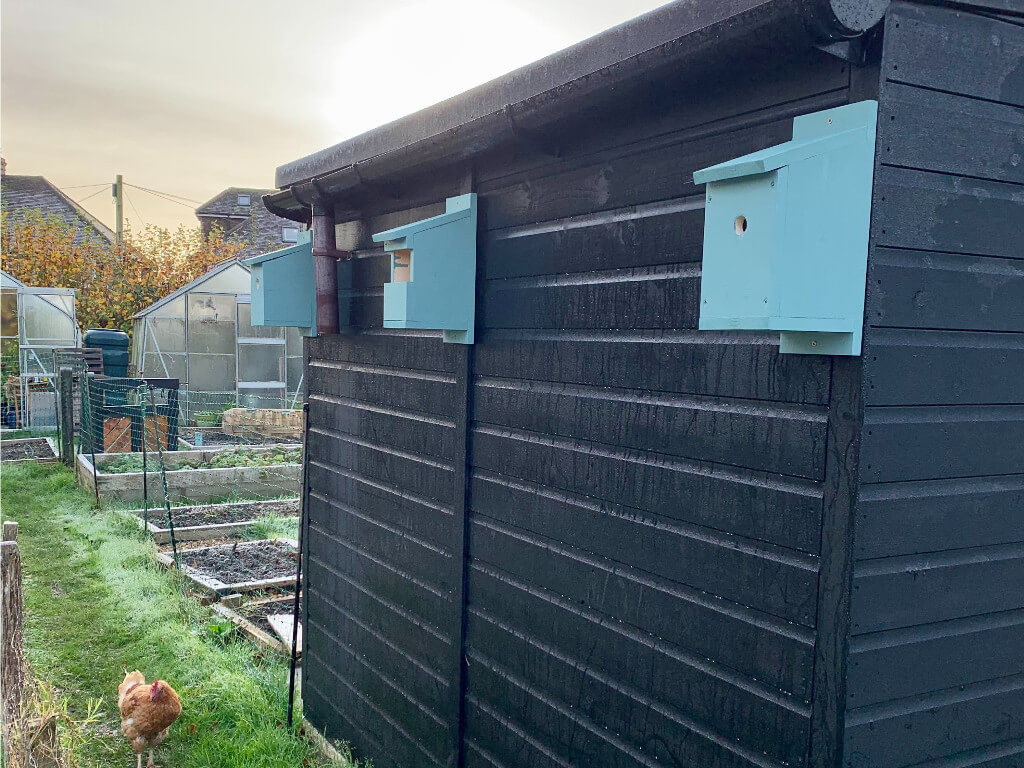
[193, 96]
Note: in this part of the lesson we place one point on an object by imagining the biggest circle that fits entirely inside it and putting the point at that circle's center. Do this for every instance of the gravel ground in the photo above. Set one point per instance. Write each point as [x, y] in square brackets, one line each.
[212, 514]
[242, 561]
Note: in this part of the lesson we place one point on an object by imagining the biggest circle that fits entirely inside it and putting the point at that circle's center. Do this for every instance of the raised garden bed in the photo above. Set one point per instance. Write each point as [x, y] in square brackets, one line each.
[195, 476]
[41, 449]
[212, 521]
[252, 619]
[214, 437]
[244, 566]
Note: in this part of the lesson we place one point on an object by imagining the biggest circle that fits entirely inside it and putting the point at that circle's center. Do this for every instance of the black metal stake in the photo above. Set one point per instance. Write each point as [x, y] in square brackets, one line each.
[92, 436]
[145, 483]
[303, 517]
[163, 477]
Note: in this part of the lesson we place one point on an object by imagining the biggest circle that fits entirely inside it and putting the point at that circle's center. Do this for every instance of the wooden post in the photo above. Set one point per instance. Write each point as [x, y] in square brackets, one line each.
[11, 620]
[66, 396]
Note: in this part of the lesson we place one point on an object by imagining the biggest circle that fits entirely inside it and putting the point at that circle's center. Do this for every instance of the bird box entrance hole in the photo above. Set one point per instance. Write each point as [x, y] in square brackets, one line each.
[402, 272]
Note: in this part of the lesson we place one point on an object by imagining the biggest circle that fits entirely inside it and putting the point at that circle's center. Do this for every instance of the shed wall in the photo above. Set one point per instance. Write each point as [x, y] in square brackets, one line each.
[643, 503]
[936, 672]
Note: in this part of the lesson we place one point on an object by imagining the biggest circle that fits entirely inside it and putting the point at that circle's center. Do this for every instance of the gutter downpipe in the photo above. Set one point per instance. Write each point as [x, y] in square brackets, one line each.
[325, 266]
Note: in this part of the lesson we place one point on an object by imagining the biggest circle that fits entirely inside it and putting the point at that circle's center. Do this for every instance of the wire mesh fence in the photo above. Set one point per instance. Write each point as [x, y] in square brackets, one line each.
[188, 464]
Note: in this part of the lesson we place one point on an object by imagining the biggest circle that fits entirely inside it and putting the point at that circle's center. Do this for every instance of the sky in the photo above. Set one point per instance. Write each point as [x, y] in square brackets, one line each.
[192, 96]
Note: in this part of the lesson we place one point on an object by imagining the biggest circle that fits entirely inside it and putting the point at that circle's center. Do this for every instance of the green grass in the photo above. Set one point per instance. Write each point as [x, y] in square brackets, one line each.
[96, 603]
[20, 434]
[274, 526]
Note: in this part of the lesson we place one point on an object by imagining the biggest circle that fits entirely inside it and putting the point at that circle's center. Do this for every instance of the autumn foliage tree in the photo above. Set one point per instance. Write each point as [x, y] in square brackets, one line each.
[113, 281]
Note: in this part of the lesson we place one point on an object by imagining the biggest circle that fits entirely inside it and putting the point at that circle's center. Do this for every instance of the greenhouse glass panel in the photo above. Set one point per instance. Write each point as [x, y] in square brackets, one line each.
[293, 367]
[9, 313]
[165, 335]
[233, 280]
[261, 397]
[260, 362]
[211, 373]
[48, 320]
[247, 330]
[211, 325]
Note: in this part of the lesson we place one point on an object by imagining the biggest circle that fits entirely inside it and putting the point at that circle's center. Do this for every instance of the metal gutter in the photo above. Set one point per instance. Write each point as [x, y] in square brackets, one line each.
[686, 39]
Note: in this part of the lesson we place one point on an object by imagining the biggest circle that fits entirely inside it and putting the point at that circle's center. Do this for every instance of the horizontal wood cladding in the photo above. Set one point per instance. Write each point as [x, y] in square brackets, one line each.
[942, 442]
[710, 363]
[644, 500]
[938, 368]
[988, 52]
[936, 677]
[916, 517]
[659, 169]
[959, 652]
[927, 290]
[756, 435]
[949, 214]
[959, 726]
[663, 234]
[751, 504]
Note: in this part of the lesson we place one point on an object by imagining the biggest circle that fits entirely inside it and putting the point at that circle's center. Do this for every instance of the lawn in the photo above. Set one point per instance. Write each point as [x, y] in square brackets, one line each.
[96, 603]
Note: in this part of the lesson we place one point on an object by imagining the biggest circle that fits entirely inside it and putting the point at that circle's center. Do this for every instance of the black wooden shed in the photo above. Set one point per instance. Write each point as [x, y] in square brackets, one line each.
[602, 537]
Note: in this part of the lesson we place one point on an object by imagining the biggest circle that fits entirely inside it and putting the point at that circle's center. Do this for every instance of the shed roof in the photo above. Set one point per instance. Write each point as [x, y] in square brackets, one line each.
[7, 280]
[683, 38]
[217, 269]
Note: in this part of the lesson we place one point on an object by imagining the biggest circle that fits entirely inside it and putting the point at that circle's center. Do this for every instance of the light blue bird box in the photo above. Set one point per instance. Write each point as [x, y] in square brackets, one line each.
[283, 287]
[786, 234]
[433, 272]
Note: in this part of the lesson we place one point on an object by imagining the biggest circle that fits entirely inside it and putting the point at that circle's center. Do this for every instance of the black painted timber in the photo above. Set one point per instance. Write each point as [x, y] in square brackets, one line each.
[936, 674]
[601, 537]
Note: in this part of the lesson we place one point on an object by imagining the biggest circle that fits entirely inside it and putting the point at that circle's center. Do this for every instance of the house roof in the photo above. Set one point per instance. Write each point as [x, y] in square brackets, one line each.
[226, 203]
[21, 195]
[253, 225]
[684, 40]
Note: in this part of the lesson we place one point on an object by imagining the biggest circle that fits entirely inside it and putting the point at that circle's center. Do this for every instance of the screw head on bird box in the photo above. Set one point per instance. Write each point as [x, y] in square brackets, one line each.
[433, 272]
[786, 234]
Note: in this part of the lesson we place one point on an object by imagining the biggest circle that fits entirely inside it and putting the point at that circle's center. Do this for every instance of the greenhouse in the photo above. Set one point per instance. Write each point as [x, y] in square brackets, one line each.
[201, 335]
[33, 322]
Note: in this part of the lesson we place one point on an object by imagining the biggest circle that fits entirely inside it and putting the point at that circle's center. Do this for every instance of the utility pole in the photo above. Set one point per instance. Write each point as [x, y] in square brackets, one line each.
[117, 190]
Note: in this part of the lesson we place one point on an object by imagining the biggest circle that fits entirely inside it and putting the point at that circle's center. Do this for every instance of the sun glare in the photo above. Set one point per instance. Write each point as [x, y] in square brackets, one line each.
[426, 52]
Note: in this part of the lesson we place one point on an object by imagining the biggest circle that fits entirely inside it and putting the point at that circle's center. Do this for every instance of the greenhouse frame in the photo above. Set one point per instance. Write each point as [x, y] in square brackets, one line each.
[33, 322]
[202, 335]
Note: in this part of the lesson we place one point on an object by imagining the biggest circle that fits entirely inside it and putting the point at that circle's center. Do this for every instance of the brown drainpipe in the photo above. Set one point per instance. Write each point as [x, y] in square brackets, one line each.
[325, 266]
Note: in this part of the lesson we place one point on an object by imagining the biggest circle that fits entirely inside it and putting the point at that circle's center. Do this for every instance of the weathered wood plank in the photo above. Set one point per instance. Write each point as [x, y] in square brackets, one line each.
[987, 52]
[949, 214]
[916, 517]
[902, 663]
[890, 593]
[721, 364]
[749, 434]
[932, 443]
[919, 289]
[940, 368]
[750, 504]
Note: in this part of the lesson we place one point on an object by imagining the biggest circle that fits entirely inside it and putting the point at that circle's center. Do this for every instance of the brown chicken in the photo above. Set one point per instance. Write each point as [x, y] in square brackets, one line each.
[147, 712]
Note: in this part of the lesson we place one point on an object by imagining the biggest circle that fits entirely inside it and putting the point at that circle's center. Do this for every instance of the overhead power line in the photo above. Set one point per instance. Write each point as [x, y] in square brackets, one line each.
[83, 186]
[163, 197]
[132, 204]
[165, 194]
[88, 196]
